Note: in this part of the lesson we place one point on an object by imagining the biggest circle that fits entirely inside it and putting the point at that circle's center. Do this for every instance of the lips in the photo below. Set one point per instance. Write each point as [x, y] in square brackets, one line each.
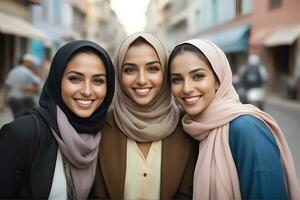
[142, 91]
[191, 100]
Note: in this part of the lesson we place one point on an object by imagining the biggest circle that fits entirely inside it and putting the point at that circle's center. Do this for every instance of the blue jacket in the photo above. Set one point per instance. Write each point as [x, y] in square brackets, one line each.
[257, 159]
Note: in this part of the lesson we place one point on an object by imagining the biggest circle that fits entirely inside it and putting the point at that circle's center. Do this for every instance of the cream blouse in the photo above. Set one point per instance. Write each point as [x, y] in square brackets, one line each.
[142, 180]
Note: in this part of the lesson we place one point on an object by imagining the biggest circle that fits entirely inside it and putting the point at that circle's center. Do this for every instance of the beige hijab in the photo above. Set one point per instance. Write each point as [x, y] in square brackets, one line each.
[211, 128]
[157, 120]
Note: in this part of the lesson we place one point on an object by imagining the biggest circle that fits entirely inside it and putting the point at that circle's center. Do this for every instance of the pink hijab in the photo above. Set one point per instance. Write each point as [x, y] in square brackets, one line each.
[211, 128]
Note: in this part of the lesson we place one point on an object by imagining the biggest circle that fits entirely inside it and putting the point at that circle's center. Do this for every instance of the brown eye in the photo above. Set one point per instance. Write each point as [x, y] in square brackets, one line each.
[129, 70]
[198, 76]
[153, 69]
[99, 81]
[176, 80]
[74, 79]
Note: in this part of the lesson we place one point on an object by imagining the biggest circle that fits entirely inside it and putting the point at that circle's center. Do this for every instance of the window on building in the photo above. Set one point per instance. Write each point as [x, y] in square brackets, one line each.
[274, 3]
[215, 12]
[56, 11]
[246, 7]
[45, 10]
[243, 7]
[238, 7]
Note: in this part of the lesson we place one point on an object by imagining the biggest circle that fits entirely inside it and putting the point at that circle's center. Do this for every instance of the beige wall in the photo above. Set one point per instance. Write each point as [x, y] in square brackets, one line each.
[288, 13]
[14, 7]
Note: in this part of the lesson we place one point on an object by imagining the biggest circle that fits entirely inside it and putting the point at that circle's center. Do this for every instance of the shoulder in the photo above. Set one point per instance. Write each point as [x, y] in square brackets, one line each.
[110, 117]
[246, 125]
[110, 125]
[249, 130]
[22, 128]
[180, 138]
[19, 137]
[110, 132]
[250, 137]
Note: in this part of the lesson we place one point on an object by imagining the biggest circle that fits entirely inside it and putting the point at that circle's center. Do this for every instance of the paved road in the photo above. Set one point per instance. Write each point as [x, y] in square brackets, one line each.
[287, 114]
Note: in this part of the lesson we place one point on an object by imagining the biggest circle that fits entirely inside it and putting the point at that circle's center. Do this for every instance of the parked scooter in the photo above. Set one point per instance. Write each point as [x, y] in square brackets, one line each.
[256, 97]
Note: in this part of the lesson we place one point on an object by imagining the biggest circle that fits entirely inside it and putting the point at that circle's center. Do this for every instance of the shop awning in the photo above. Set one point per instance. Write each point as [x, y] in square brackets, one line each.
[15, 26]
[231, 40]
[258, 37]
[283, 36]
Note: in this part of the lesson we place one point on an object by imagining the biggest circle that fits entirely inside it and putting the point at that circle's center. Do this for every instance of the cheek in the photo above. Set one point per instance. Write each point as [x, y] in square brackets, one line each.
[101, 91]
[66, 89]
[157, 79]
[127, 81]
[175, 90]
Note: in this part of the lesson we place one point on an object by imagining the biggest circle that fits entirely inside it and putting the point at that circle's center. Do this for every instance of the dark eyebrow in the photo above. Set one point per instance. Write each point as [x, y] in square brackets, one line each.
[149, 63]
[129, 64]
[153, 62]
[191, 72]
[196, 70]
[81, 74]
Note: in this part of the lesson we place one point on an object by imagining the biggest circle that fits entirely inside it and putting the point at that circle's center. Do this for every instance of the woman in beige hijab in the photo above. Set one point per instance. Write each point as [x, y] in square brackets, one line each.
[144, 154]
[242, 153]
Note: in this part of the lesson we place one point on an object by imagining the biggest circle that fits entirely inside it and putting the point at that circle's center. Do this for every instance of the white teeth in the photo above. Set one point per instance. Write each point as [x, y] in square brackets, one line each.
[142, 91]
[191, 100]
[84, 102]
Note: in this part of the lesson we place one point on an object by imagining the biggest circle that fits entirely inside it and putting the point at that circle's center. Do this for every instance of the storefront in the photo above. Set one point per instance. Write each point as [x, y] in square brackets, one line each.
[234, 42]
[15, 35]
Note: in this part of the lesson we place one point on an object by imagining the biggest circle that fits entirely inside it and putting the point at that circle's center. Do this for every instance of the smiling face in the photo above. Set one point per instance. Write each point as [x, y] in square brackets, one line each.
[141, 74]
[193, 82]
[83, 86]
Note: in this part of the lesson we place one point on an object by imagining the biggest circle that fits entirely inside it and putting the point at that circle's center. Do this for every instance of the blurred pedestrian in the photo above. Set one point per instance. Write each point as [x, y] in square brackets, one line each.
[20, 86]
[51, 153]
[242, 152]
[144, 154]
[254, 77]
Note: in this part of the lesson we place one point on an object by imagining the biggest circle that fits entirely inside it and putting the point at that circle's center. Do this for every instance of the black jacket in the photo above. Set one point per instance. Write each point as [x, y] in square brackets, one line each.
[27, 158]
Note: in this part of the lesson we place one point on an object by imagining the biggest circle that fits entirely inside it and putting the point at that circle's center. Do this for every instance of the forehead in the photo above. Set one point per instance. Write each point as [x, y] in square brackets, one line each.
[86, 63]
[187, 61]
[140, 51]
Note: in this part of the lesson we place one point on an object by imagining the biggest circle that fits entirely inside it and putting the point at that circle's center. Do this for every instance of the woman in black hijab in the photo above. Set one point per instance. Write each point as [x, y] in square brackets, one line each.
[51, 152]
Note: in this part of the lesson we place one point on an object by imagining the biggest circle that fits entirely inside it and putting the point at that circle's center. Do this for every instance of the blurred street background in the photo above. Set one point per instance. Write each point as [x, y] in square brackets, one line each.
[269, 29]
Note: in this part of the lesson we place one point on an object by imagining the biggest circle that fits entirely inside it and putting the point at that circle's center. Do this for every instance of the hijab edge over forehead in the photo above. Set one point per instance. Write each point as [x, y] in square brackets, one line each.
[207, 48]
[125, 45]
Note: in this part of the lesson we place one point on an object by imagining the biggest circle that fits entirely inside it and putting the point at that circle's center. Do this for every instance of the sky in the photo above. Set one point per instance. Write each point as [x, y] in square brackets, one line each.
[131, 14]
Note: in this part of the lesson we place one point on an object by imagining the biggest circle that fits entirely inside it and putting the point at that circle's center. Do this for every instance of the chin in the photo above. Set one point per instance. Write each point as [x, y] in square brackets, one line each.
[143, 103]
[192, 112]
[83, 115]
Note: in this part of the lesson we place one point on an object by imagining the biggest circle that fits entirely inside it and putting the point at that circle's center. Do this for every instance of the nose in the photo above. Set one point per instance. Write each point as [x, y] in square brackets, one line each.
[141, 79]
[187, 87]
[86, 90]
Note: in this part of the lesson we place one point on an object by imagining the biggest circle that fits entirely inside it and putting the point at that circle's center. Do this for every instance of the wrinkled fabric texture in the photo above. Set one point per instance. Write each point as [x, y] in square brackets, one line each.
[157, 120]
[81, 150]
[215, 174]
[77, 138]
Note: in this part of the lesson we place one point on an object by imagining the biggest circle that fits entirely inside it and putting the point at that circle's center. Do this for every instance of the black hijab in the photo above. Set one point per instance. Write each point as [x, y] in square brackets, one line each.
[51, 93]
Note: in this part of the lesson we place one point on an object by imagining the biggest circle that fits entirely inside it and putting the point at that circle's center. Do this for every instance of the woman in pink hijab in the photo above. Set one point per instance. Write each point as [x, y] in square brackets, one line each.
[242, 153]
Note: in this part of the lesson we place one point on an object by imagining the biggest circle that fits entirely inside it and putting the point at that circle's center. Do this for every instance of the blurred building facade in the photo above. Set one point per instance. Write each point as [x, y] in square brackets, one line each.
[240, 27]
[103, 26]
[41, 27]
[275, 32]
[61, 21]
[16, 32]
